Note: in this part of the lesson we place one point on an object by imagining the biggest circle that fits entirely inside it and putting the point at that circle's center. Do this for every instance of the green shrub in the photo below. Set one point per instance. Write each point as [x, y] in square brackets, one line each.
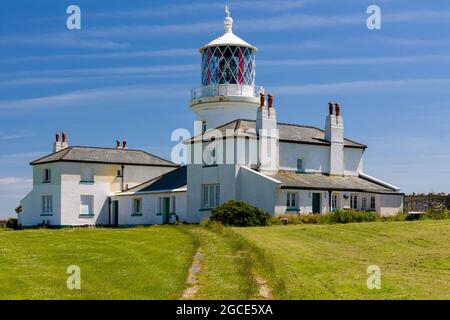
[437, 213]
[240, 214]
[348, 216]
[12, 223]
[295, 219]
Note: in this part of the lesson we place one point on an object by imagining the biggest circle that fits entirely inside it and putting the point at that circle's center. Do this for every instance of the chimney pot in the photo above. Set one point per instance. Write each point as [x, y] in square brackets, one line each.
[57, 137]
[269, 101]
[64, 137]
[338, 109]
[262, 99]
[124, 144]
[330, 108]
[117, 144]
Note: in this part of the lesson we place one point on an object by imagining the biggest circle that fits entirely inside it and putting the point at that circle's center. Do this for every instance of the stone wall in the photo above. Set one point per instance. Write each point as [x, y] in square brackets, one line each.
[423, 202]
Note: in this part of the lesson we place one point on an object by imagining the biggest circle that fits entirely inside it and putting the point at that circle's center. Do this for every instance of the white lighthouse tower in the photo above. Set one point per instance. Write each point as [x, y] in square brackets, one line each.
[228, 90]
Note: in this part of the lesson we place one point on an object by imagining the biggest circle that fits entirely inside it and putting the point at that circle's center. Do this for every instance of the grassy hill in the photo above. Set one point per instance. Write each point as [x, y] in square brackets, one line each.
[298, 262]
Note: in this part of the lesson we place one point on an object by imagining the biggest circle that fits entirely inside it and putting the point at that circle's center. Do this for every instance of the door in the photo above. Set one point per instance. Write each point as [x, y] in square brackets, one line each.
[166, 210]
[316, 202]
[115, 213]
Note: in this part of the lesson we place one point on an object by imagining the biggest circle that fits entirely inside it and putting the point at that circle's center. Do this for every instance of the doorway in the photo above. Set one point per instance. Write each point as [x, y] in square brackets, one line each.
[166, 210]
[316, 202]
[115, 213]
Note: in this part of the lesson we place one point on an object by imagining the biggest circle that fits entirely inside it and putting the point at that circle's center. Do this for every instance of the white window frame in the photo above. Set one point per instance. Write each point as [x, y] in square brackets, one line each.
[291, 200]
[47, 204]
[86, 201]
[364, 204]
[137, 205]
[47, 175]
[334, 201]
[210, 196]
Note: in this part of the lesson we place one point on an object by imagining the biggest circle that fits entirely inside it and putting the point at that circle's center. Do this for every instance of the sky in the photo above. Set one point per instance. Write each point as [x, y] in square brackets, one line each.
[127, 74]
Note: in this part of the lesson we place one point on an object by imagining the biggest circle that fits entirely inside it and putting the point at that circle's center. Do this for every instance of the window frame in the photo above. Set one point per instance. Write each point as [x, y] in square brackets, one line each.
[364, 204]
[47, 204]
[210, 197]
[47, 175]
[354, 201]
[302, 169]
[82, 175]
[334, 201]
[291, 200]
[373, 203]
[90, 205]
[134, 206]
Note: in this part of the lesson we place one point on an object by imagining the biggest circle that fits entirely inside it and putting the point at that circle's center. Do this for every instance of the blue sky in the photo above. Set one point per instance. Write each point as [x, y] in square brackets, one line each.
[128, 73]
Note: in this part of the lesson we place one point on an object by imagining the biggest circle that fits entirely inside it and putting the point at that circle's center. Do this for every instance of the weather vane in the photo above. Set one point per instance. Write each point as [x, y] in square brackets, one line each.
[227, 10]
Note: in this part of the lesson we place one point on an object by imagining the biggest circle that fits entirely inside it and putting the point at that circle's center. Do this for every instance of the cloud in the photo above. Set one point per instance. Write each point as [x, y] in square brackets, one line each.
[354, 61]
[110, 96]
[109, 55]
[12, 190]
[16, 135]
[358, 87]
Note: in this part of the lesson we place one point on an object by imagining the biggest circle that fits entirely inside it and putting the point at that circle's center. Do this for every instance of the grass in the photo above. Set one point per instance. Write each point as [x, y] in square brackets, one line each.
[330, 261]
[226, 269]
[139, 263]
[298, 261]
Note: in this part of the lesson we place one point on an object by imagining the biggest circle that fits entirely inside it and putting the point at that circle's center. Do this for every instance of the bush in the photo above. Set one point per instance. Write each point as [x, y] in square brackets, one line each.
[12, 223]
[240, 214]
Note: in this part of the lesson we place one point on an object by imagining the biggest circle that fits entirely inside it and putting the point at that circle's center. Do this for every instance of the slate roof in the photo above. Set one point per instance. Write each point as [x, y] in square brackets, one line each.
[294, 180]
[105, 155]
[172, 180]
[288, 133]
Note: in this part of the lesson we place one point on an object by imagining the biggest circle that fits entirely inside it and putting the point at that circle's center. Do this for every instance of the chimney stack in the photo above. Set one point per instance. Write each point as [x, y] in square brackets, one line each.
[268, 136]
[124, 144]
[60, 145]
[334, 134]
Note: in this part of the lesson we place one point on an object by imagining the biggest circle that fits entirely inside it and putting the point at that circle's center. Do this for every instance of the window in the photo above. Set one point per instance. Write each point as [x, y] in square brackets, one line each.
[47, 175]
[47, 204]
[354, 202]
[119, 173]
[86, 205]
[300, 165]
[291, 200]
[137, 205]
[334, 202]
[203, 126]
[210, 196]
[87, 175]
[372, 203]
[364, 204]
[172, 200]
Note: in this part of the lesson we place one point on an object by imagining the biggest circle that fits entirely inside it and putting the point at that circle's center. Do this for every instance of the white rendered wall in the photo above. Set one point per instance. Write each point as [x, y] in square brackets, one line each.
[353, 161]
[150, 208]
[315, 157]
[304, 201]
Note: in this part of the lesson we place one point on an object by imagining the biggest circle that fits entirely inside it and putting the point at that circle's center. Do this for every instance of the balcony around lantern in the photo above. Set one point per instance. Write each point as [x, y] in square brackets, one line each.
[230, 90]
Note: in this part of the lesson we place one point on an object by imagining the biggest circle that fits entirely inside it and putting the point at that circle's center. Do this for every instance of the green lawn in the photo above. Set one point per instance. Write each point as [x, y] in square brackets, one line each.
[330, 261]
[299, 262]
[139, 263]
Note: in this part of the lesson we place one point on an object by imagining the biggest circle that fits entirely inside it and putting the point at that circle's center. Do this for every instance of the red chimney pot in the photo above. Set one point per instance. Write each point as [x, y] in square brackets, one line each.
[57, 137]
[330, 108]
[124, 144]
[117, 144]
[338, 109]
[262, 99]
[64, 137]
[269, 101]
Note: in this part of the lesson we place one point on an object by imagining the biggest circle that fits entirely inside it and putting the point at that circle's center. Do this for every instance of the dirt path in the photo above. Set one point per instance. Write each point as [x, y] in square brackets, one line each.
[192, 280]
[264, 289]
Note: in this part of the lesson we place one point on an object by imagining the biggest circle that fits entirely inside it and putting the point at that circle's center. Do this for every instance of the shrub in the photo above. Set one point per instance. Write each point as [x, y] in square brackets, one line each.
[348, 216]
[12, 223]
[240, 214]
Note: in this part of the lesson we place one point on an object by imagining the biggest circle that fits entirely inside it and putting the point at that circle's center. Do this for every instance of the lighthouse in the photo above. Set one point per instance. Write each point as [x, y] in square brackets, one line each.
[228, 89]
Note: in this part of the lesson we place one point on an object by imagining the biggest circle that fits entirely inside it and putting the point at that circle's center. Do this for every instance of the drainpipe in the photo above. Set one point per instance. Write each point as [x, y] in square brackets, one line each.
[123, 177]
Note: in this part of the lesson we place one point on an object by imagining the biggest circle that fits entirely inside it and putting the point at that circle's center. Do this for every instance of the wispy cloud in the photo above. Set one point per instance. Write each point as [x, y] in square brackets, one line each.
[110, 96]
[354, 61]
[358, 87]
[14, 135]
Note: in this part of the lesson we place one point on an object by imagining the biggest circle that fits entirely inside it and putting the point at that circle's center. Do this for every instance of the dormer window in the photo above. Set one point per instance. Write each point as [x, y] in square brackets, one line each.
[47, 175]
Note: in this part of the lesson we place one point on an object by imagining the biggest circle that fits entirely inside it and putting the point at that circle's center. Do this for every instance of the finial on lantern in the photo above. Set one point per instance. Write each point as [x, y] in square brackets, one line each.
[228, 23]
